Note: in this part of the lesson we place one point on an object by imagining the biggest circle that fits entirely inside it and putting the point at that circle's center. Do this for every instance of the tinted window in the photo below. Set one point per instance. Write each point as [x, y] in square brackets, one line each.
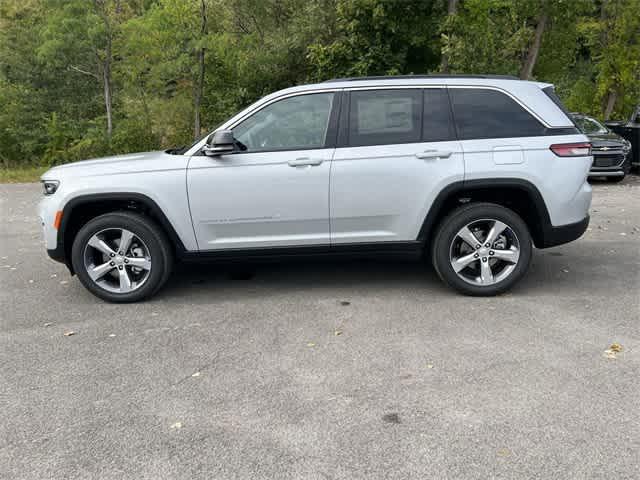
[299, 122]
[590, 126]
[491, 114]
[437, 125]
[385, 117]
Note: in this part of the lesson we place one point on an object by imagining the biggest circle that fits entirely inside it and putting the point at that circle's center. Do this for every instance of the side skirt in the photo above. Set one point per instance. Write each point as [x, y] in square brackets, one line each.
[398, 250]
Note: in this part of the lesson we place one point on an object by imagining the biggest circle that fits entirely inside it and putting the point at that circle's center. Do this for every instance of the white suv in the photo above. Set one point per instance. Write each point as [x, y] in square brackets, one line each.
[470, 171]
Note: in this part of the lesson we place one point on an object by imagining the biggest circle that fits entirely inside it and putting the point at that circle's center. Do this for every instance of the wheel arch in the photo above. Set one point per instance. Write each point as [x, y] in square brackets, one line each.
[517, 194]
[81, 209]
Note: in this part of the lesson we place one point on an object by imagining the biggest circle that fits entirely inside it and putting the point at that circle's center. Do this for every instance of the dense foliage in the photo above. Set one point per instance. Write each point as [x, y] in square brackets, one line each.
[84, 78]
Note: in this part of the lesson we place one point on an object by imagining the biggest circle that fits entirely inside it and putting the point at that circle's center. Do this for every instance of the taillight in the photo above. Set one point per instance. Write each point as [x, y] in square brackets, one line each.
[571, 149]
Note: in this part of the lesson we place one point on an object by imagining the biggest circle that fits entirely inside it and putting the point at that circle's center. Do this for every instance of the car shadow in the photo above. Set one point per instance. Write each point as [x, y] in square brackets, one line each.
[577, 267]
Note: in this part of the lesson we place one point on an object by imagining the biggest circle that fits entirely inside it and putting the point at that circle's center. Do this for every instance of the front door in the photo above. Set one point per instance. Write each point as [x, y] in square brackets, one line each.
[274, 191]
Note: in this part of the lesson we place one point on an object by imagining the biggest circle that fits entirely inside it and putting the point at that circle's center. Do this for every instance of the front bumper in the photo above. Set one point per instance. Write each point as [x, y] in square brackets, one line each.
[607, 173]
[57, 254]
[609, 165]
[565, 233]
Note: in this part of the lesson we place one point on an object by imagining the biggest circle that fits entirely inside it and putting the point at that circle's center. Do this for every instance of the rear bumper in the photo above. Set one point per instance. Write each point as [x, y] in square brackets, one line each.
[564, 233]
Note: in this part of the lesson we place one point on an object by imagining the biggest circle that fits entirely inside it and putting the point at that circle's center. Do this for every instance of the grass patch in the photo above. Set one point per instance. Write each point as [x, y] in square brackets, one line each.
[21, 174]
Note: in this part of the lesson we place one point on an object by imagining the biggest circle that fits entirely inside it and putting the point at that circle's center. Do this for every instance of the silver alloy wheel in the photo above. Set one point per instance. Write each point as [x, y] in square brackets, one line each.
[117, 260]
[484, 252]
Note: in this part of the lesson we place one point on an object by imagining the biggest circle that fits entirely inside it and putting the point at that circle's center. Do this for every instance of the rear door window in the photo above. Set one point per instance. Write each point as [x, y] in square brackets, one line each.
[481, 113]
[437, 124]
[379, 117]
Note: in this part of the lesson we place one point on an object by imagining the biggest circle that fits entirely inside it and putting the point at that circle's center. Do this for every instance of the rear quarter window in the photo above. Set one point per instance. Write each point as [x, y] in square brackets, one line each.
[483, 113]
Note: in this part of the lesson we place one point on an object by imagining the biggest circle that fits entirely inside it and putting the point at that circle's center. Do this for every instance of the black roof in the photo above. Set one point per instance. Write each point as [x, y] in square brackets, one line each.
[435, 75]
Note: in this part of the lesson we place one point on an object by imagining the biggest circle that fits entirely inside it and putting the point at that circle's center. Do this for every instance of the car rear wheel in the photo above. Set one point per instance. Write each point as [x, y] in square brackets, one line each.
[122, 257]
[482, 249]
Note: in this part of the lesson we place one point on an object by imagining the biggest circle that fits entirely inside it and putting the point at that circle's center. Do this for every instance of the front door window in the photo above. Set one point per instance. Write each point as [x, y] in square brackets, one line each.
[294, 123]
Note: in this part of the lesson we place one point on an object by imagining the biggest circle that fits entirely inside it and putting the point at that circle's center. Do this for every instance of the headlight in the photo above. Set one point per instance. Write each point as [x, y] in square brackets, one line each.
[50, 186]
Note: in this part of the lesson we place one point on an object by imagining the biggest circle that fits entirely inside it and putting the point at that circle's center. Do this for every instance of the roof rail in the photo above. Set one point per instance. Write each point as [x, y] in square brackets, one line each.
[405, 77]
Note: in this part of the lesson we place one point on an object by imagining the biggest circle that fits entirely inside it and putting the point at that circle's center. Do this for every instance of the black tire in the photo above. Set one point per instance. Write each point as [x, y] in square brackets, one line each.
[447, 231]
[144, 228]
[614, 179]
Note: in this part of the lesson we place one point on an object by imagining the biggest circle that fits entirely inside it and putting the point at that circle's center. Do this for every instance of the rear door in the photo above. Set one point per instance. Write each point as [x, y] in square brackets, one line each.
[396, 151]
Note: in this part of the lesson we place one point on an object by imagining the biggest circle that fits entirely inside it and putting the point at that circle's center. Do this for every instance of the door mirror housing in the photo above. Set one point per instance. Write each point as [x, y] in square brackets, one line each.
[219, 143]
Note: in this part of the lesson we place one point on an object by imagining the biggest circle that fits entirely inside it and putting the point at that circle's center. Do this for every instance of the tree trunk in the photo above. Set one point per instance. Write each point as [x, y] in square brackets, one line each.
[532, 55]
[106, 81]
[611, 103]
[105, 63]
[199, 87]
[452, 6]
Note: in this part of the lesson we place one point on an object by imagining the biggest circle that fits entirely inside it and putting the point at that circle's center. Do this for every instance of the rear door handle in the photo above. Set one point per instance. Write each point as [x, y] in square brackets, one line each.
[427, 154]
[305, 162]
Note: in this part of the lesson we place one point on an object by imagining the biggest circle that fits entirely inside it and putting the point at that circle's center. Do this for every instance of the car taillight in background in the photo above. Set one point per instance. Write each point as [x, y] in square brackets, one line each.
[571, 149]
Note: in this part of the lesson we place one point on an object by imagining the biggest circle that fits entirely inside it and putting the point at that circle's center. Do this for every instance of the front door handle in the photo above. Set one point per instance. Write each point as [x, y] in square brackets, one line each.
[305, 162]
[427, 154]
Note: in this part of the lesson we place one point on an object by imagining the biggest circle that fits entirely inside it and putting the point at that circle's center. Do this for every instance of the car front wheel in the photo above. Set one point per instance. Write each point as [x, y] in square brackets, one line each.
[482, 249]
[122, 257]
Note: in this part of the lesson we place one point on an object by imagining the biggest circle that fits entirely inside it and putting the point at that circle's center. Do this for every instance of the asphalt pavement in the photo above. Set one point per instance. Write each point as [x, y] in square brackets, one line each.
[358, 370]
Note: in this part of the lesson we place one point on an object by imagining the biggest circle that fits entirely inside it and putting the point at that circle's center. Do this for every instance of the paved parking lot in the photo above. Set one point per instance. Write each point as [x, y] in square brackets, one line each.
[325, 370]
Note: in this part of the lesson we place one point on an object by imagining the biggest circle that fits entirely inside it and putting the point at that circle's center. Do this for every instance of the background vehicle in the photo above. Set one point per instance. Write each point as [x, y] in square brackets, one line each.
[469, 171]
[611, 152]
[630, 131]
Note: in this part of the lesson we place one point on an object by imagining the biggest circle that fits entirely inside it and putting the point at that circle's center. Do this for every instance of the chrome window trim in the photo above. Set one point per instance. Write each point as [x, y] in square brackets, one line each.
[475, 87]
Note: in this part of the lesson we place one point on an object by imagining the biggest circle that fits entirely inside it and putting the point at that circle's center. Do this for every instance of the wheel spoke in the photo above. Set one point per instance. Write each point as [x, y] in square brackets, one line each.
[125, 241]
[510, 255]
[100, 271]
[101, 245]
[468, 236]
[125, 281]
[462, 262]
[497, 228]
[140, 262]
[486, 275]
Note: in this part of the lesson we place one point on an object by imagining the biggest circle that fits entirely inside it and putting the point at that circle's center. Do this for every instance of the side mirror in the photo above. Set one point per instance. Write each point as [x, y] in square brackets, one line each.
[219, 143]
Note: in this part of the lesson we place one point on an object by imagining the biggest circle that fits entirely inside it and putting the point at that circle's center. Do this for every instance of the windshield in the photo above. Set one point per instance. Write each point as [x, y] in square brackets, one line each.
[590, 126]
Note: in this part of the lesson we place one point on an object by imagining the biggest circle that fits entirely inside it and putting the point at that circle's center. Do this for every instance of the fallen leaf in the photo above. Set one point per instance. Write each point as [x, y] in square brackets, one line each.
[609, 353]
[176, 425]
[504, 452]
[69, 333]
[429, 365]
[311, 344]
[48, 324]
[337, 332]
[616, 347]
